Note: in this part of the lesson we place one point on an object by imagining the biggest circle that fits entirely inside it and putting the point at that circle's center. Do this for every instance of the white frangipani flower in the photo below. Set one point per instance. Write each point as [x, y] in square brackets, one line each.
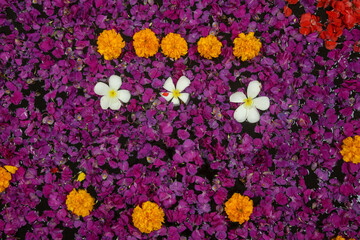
[111, 95]
[248, 110]
[175, 93]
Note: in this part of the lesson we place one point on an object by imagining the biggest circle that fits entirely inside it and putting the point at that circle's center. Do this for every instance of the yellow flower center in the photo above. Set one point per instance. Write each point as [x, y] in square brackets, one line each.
[110, 44]
[176, 93]
[5, 178]
[248, 102]
[148, 218]
[239, 208]
[351, 149]
[146, 44]
[112, 93]
[246, 46]
[209, 47]
[80, 202]
[174, 46]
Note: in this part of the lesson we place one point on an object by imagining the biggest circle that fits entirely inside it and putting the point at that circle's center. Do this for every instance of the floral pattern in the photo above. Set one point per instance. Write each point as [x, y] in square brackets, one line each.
[72, 169]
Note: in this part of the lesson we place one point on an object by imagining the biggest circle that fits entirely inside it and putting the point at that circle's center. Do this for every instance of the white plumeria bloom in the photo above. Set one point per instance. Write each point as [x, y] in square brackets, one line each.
[111, 95]
[175, 93]
[248, 110]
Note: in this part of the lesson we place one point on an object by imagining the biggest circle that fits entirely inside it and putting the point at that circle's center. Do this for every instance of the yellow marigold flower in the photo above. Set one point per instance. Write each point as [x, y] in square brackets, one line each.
[209, 47]
[174, 46]
[239, 208]
[351, 149]
[5, 178]
[148, 218]
[110, 44]
[338, 238]
[246, 46]
[146, 44]
[80, 202]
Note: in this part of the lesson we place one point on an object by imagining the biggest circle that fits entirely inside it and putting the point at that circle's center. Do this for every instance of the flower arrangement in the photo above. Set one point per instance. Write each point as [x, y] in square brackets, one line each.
[103, 141]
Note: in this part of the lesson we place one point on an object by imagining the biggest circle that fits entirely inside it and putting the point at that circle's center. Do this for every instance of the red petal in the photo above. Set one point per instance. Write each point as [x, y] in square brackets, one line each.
[330, 45]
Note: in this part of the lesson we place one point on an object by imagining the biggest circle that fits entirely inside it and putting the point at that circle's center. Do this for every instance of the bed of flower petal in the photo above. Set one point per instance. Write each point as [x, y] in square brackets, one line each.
[188, 159]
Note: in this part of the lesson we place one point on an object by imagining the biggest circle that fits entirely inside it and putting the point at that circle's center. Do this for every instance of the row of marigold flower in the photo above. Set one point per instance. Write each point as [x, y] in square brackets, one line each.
[146, 44]
[150, 216]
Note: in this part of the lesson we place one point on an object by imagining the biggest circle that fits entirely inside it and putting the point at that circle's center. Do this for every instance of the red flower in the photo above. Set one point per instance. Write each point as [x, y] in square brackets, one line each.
[309, 24]
[333, 15]
[292, 1]
[350, 12]
[324, 3]
[357, 46]
[330, 45]
[332, 32]
[287, 11]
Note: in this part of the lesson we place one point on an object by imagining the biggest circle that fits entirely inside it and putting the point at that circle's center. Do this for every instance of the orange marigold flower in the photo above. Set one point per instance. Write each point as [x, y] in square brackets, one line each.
[146, 44]
[209, 47]
[351, 149]
[5, 178]
[148, 218]
[309, 24]
[80, 202]
[174, 46]
[292, 1]
[246, 46]
[287, 11]
[110, 44]
[239, 208]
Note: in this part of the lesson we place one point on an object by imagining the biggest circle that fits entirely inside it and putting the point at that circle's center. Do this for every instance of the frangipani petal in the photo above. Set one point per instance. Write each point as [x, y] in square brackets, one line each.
[253, 89]
[237, 97]
[104, 102]
[115, 82]
[175, 101]
[124, 95]
[115, 104]
[253, 115]
[262, 103]
[182, 83]
[168, 96]
[240, 114]
[169, 85]
[101, 89]
[184, 97]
